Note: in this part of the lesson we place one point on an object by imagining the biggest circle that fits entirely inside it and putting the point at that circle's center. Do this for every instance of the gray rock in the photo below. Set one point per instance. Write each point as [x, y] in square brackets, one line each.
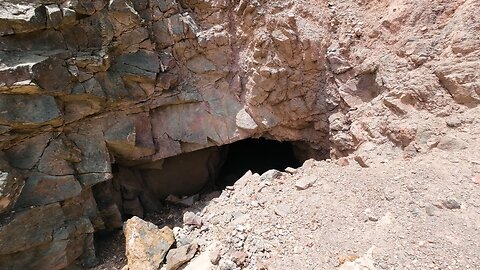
[23, 109]
[270, 175]
[282, 210]
[190, 218]
[451, 203]
[245, 121]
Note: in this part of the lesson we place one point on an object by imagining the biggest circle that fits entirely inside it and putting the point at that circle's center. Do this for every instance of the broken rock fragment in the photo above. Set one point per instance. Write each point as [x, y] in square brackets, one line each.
[305, 182]
[181, 255]
[190, 218]
[146, 244]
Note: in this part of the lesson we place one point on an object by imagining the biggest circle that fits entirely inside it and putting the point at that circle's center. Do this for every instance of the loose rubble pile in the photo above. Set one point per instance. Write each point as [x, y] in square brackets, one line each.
[422, 213]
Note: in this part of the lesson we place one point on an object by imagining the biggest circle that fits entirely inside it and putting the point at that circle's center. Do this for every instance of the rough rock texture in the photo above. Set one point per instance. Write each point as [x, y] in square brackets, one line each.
[87, 84]
[419, 213]
[146, 244]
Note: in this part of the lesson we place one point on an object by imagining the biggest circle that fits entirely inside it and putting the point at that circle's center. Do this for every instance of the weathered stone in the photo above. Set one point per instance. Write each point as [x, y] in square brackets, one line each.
[239, 257]
[181, 255]
[146, 245]
[94, 154]
[21, 18]
[451, 203]
[26, 155]
[38, 225]
[461, 80]
[270, 175]
[11, 184]
[200, 65]
[282, 210]
[41, 189]
[201, 262]
[52, 75]
[305, 182]
[88, 7]
[190, 218]
[21, 109]
[90, 179]
[81, 207]
[141, 66]
[245, 121]
[57, 158]
[337, 61]
[451, 143]
[136, 83]
[126, 141]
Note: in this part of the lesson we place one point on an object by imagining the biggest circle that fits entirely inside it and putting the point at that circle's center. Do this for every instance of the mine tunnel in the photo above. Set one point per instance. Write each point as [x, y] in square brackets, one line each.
[142, 187]
[139, 189]
[257, 155]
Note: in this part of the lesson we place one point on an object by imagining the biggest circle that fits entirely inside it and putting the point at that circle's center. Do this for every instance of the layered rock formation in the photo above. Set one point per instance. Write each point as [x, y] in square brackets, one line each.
[87, 84]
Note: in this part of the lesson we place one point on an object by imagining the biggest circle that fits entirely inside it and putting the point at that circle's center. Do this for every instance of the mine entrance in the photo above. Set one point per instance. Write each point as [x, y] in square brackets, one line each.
[257, 155]
[142, 189]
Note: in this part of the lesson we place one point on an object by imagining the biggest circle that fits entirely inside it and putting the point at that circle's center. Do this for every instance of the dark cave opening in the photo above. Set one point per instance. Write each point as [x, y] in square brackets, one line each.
[142, 188]
[257, 155]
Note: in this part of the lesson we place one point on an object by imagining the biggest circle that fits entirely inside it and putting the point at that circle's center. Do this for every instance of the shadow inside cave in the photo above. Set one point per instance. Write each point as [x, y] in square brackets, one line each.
[131, 191]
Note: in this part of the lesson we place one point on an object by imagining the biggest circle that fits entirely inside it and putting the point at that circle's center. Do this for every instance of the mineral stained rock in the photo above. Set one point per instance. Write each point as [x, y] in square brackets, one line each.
[146, 244]
[138, 83]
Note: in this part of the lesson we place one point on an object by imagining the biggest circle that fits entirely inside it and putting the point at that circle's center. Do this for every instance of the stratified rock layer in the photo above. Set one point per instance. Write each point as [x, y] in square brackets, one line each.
[87, 84]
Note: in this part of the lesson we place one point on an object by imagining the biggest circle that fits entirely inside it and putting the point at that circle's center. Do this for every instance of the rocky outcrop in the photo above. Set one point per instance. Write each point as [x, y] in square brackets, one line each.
[136, 83]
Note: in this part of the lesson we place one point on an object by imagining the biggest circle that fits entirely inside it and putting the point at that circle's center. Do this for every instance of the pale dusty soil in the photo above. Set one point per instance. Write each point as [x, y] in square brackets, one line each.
[399, 209]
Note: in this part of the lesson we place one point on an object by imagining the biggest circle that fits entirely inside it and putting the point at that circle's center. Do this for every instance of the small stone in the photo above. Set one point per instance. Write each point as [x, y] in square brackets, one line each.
[431, 210]
[282, 210]
[290, 170]
[370, 216]
[226, 264]
[451, 203]
[309, 163]
[181, 255]
[476, 179]
[305, 182]
[190, 218]
[451, 143]
[201, 262]
[185, 201]
[239, 257]
[361, 161]
[215, 255]
[342, 161]
[270, 175]
[189, 200]
[454, 121]
[346, 258]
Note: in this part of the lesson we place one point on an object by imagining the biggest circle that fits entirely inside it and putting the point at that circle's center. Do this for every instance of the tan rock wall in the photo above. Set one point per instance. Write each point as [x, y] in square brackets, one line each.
[84, 84]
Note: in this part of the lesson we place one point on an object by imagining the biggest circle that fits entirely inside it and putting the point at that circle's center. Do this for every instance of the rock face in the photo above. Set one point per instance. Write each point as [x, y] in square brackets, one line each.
[136, 83]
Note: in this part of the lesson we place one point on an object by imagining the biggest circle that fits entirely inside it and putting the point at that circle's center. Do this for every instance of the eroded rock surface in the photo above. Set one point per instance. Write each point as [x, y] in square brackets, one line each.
[87, 84]
[146, 244]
